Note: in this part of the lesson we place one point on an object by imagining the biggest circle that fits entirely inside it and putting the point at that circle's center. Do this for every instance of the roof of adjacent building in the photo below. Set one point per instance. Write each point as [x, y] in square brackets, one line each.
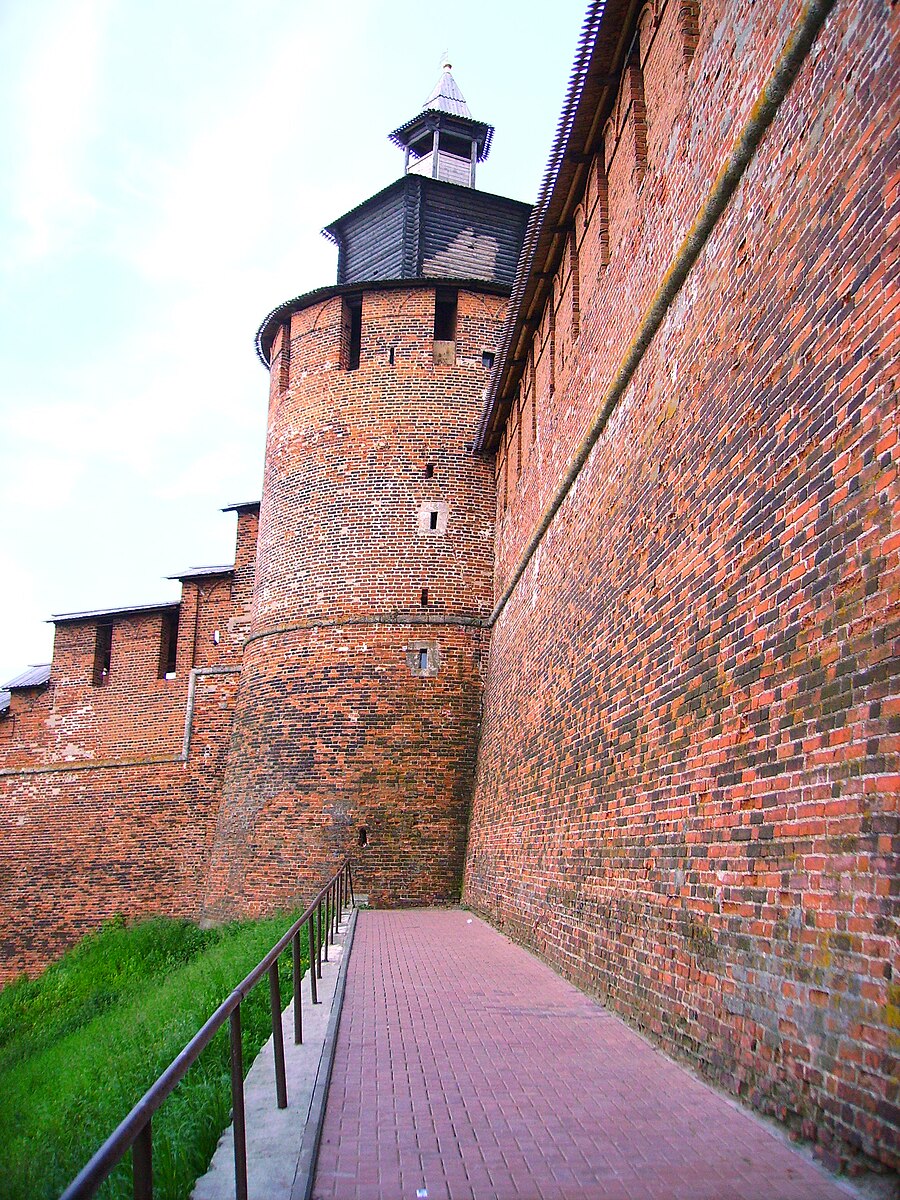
[5, 698]
[203, 572]
[36, 676]
[125, 611]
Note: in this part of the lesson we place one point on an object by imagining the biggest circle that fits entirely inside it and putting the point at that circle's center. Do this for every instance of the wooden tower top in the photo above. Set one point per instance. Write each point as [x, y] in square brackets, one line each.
[444, 141]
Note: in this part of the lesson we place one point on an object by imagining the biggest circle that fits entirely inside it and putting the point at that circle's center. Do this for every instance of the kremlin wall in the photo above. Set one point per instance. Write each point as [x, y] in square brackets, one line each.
[572, 591]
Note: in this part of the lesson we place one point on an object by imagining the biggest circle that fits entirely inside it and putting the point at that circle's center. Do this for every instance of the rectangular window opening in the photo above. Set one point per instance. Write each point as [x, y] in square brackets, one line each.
[429, 470]
[487, 359]
[424, 599]
[445, 302]
[423, 660]
[168, 645]
[433, 519]
[351, 332]
[284, 359]
[102, 654]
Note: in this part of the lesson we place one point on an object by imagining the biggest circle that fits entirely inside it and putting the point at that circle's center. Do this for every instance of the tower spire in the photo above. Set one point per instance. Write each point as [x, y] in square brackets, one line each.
[444, 141]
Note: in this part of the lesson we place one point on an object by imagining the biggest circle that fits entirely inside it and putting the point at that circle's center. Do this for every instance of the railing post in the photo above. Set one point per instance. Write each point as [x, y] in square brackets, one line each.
[350, 883]
[297, 967]
[135, 1132]
[311, 937]
[277, 1036]
[142, 1164]
[237, 1107]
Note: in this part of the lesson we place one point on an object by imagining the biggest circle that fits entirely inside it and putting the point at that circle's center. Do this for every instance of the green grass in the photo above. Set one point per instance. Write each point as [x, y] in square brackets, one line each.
[83, 1042]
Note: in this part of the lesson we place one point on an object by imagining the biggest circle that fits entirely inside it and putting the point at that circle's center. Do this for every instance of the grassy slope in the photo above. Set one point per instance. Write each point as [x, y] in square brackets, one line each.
[81, 1044]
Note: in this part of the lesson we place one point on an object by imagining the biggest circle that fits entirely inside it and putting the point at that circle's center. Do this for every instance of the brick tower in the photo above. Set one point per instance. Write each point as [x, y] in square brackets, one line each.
[358, 711]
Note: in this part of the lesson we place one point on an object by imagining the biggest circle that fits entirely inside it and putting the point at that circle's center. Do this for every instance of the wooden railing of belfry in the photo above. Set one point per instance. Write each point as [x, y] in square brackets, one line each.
[321, 919]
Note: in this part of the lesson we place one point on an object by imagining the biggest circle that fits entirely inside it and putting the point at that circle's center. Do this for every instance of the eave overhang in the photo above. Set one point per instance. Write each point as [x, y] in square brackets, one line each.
[603, 46]
[131, 610]
[432, 119]
[242, 506]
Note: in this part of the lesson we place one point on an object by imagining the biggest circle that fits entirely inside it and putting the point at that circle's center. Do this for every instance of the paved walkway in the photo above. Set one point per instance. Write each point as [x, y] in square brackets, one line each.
[467, 1069]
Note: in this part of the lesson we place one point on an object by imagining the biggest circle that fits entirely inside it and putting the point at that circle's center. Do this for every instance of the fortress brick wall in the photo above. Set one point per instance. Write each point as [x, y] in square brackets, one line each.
[375, 547]
[102, 811]
[674, 752]
[686, 793]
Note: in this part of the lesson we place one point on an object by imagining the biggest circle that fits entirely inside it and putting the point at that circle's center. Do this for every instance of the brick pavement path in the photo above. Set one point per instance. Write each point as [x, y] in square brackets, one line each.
[465, 1069]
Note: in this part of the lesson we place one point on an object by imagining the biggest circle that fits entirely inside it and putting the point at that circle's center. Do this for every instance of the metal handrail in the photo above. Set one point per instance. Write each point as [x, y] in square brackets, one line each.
[321, 917]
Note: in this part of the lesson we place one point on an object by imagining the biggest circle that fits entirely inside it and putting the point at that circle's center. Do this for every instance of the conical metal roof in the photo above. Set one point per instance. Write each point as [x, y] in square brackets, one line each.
[446, 96]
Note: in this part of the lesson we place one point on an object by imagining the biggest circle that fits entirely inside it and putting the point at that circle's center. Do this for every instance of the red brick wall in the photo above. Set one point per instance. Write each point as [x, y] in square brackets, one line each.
[79, 847]
[686, 788]
[334, 731]
[99, 812]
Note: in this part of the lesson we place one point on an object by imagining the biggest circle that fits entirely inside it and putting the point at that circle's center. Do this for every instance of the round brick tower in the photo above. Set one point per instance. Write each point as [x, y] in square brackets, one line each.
[357, 717]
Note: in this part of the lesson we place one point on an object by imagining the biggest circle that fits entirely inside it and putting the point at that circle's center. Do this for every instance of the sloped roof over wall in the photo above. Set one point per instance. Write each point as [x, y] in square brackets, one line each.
[35, 676]
[127, 611]
[203, 572]
[602, 48]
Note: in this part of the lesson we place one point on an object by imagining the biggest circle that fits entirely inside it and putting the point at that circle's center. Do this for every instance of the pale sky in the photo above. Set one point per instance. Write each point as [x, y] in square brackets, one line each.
[165, 169]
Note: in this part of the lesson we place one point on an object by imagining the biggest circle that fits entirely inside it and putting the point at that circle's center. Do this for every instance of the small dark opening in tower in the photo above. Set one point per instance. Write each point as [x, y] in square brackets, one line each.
[445, 328]
[423, 660]
[102, 654]
[429, 470]
[433, 519]
[351, 332]
[391, 356]
[168, 645]
[363, 836]
[487, 358]
[424, 599]
[460, 146]
[445, 316]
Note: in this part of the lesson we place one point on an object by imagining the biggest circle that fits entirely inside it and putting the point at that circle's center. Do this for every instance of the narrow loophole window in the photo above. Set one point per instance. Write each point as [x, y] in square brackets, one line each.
[363, 837]
[445, 328]
[102, 655]
[351, 332]
[391, 356]
[168, 645]
[424, 599]
[433, 519]
[423, 660]
[429, 470]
